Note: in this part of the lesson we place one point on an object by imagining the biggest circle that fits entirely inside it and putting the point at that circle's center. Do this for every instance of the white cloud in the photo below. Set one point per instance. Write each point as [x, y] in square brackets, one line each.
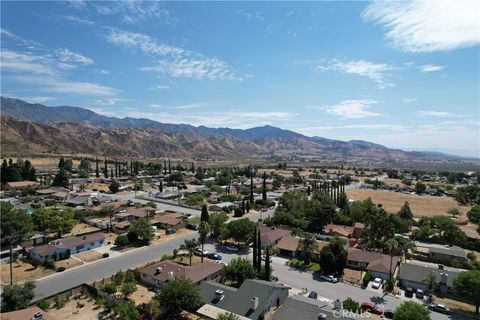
[427, 26]
[251, 16]
[409, 100]
[102, 71]
[431, 68]
[79, 20]
[27, 63]
[353, 109]
[38, 99]
[134, 11]
[159, 87]
[109, 101]
[374, 71]
[66, 55]
[141, 42]
[439, 114]
[188, 106]
[176, 62]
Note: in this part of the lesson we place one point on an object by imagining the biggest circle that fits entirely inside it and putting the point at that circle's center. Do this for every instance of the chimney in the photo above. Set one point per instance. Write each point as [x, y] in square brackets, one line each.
[171, 276]
[443, 278]
[321, 316]
[254, 303]
[441, 266]
[158, 270]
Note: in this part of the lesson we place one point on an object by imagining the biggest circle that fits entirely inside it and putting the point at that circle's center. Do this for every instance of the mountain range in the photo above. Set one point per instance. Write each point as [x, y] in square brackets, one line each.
[35, 128]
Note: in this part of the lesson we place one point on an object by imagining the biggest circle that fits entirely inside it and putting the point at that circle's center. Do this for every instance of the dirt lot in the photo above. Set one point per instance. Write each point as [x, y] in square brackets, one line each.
[89, 256]
[142, 295]
[71, 312]
[420, 205]
[180, 233]
[22, 272]
[186, 260]
[81, 228]
[68, 263]
[456, 305]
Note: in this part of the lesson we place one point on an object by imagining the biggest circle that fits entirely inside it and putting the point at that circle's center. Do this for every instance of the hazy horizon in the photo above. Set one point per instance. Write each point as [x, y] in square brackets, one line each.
[339, 70]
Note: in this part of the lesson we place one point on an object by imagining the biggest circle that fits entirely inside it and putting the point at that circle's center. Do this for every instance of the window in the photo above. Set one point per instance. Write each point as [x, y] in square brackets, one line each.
[78, 248]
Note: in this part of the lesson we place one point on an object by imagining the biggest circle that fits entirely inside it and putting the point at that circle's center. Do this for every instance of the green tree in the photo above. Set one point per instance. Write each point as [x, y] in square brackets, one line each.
[252, 199]
[420, 187]
[52, 220]
[405, 211]
[432, 284]
[204, 215]
[114, 186]
[466, 195]
[350, 305]
[238, 271]
[454, 212]
[255, 245]
[333, 258]
[61, 179]
[379, 227]
[267, 270]
[126, 311]
[190, 246]
[241, 230]
[17, 297]
[119, 278]
[15, 225]
[264, 187]
[474, 214]
[409, 310]
[319, 211]
[179, 294]
[467, 285]
[217, 221]
[203, 231]
[128, 288]
[143, 229]
[307, 245]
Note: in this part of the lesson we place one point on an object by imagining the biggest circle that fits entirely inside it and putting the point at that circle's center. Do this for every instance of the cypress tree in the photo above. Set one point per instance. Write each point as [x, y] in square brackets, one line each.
[243, 207]
[204, 215]
[131, 166]
[255, 238]
[264, 187]
[252, 199]
[247, 206]
[160, 186]
[164, 166]
[111, 173]
[266, 276]
[169, 167]
[192, 167]
[308, 190]
[105, 169]
[259, 252]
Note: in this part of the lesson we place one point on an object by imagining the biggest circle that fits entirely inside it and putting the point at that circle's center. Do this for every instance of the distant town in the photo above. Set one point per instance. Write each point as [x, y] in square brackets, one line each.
[131, 239]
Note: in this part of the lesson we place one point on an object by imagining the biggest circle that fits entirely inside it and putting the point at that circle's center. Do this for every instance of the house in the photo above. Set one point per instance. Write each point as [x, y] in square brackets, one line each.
[35, 240]
[135, 213]
[79, 201]
[117, 205]
[62, 248]
[31, 313]
[255, 299]
[288, 246]
[413, 274]
[57, 193]
[207, 311]
[270, 236]
[301, 307]
[344, 231]
[157, 273]
[440, 253]
[378, 264]
[22, 184]
[169, 220]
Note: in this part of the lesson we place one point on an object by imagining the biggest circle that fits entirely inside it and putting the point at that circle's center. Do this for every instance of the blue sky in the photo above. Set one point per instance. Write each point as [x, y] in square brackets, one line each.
[403, 74]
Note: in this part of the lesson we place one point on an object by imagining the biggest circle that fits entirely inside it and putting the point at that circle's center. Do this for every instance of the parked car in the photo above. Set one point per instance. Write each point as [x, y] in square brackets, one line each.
[419, 294]
[214, 256]
[187, 214]
[371, 307]
[264, 258]
[313, 295]
[387, 314]
[409, 292]
[329, 278]
[439, 308]
[377, 283]
[170, 230]
[231, 248]
[192, 226]
[198, 252]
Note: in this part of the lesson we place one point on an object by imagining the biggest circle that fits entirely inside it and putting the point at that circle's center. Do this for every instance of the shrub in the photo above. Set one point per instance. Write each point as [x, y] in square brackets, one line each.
[60, 269]
[110, 288]
[455, 263]
[49, 263]
[166, 257]
[238, 212]
[59, 302]
[105, 255]
[367, 278]
[43, 304]
[350, 305]
[132, 237]
[122, 240]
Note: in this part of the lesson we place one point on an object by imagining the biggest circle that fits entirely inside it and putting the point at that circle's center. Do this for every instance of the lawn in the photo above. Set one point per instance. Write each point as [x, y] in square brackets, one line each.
[194, 220]
[300, 264]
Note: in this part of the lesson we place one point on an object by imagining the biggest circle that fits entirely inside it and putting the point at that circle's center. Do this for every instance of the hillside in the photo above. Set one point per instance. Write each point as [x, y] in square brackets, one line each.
[35, 128]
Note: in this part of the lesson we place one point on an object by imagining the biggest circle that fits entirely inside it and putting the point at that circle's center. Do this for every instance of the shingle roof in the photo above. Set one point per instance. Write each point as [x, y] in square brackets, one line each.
[271, 234]
[451, 251]
[239, 300]
[376, 261]
[45, 249]
[171, 219]
[300, 307]
[418, 273]
[75, 241]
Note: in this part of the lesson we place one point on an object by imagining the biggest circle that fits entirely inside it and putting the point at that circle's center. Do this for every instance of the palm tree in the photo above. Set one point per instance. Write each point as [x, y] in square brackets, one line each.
[397, 246]
[203, 230]
[190, 246]
[307, 245]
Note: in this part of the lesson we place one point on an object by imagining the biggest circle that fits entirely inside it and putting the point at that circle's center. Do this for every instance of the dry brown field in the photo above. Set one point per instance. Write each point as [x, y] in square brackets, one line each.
[420, 205]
